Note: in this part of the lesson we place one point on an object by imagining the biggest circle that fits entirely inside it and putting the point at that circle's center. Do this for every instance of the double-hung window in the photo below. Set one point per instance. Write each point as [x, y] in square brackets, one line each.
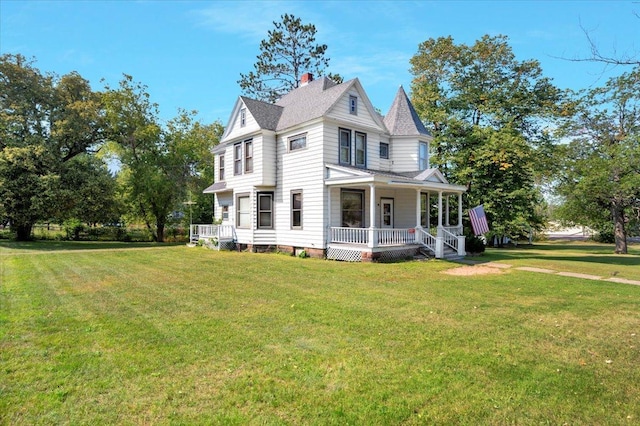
[265, 210]
[423, 156]
[221, 168]
[352, 206]
[384, 150]
[248, 156]
[345, 146]
[424, 214]
[243, 211]
[361, 149]
[237, 159]
[296, 209]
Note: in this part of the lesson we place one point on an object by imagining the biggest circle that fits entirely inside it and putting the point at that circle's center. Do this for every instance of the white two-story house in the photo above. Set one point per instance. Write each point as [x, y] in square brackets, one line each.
[321, 171]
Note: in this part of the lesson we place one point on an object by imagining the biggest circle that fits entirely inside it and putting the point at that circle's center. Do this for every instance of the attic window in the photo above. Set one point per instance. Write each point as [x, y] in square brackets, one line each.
[353, 105]
[243, 117]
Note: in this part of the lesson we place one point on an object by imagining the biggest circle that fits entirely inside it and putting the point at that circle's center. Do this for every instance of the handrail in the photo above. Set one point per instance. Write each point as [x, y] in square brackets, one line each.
[426, 239]
[450, 239]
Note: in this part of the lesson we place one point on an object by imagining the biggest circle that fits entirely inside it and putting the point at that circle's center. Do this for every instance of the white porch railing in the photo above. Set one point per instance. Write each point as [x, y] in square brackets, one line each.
[350, 235]
[397, 237]
[394, 237]
[426, 239]
[220, 232]
[450, 239]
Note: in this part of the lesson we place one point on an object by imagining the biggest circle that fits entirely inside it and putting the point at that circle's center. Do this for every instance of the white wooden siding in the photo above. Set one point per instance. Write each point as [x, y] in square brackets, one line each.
[236, 130]
[404, 154]
[363, 119]
[302, 169]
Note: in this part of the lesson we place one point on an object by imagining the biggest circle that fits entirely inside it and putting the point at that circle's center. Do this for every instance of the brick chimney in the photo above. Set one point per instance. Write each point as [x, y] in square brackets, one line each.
[306, 79]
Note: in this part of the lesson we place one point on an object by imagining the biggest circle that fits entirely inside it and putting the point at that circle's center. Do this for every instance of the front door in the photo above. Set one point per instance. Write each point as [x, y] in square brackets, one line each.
[386, 212]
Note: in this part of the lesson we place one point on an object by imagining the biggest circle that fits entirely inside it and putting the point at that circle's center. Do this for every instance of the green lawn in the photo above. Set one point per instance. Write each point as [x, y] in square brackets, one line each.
[177, 335]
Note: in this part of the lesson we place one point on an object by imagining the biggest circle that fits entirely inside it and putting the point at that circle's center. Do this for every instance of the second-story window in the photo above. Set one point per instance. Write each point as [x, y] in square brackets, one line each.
[345, 146]
[243, 117]
[221, 168]
[237, 159]
[361, 149]
[248, 156]
[353, 105]
[423, 156]
[384, 150]
[298, 142]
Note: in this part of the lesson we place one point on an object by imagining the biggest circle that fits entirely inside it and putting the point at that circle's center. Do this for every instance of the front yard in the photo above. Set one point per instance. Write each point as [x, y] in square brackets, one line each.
[160, 335]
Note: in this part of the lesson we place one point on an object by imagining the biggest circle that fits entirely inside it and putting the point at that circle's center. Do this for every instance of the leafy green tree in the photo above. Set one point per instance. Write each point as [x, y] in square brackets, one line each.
[88, 192]
[600, 184]
[159, 164]
[290, 51]
[487, 112]
[45, 121]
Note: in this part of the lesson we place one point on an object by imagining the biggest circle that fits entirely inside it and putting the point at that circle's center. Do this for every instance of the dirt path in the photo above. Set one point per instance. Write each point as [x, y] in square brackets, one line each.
[472, 267]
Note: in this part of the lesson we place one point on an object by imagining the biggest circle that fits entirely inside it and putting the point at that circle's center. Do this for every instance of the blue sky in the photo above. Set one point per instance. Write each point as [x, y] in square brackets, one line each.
[190, 53]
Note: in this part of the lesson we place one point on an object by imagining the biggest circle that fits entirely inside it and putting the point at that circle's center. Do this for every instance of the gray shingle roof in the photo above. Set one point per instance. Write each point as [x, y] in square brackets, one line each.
[310, 101]
[402, 119]
[266, 115]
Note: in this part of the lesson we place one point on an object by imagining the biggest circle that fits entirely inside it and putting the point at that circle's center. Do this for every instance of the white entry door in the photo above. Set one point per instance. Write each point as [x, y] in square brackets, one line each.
[386, 212]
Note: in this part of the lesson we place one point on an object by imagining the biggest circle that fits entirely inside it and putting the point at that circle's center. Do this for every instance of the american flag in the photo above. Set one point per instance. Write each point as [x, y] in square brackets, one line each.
[478, 220]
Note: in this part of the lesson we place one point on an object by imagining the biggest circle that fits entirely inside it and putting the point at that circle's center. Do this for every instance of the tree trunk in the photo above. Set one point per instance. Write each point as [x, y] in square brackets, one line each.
[619, 232]
[160, 231]
[23, 232]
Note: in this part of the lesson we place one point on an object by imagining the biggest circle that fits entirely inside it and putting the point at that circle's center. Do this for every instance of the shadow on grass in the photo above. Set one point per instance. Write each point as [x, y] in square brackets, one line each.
[52, 246]
[580, 252]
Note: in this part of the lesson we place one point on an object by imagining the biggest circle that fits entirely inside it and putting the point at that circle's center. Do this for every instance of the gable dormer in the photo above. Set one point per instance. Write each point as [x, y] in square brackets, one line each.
[250, 116]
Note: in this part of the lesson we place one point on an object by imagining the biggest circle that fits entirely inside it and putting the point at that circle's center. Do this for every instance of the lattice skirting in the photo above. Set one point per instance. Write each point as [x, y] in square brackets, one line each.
[356, 255]
[393, 255]
[347, 255]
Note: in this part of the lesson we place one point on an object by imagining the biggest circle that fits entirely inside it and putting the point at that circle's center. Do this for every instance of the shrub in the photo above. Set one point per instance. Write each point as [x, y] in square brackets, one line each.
[474, 244]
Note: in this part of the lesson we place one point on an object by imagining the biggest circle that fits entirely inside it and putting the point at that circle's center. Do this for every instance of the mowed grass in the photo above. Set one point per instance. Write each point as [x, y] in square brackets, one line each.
[576, 256]
[177, 335]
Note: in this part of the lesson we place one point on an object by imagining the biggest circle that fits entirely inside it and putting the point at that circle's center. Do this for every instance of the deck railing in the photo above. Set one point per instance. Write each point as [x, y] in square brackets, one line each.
[381, 236]
[350, 235]
[220, 232]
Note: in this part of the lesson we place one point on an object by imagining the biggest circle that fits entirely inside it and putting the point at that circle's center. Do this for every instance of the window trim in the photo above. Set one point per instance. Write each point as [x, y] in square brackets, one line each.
[364, 150]
[424, 209]
[237, 158]
[295, 192]
[259, 211]
[248, 155]
[243, 117]
[242, 212]
[362, 205]
[342, 131]
[353, 105]
[386, 145]
[221, 167]
[423, 162]
[293, 138]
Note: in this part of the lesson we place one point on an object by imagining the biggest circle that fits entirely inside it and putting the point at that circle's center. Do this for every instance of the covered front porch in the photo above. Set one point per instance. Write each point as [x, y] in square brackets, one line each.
[383, 216]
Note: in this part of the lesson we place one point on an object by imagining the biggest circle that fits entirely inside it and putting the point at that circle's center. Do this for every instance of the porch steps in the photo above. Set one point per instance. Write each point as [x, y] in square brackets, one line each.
[427, 253]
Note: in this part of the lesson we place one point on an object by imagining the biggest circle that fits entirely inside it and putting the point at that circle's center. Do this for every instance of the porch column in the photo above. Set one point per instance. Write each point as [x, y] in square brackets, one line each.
[428, 212]
[447, 213]
[460, 212]
[329, 233]
[373, 237]
[439, 209]
[418, 210]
